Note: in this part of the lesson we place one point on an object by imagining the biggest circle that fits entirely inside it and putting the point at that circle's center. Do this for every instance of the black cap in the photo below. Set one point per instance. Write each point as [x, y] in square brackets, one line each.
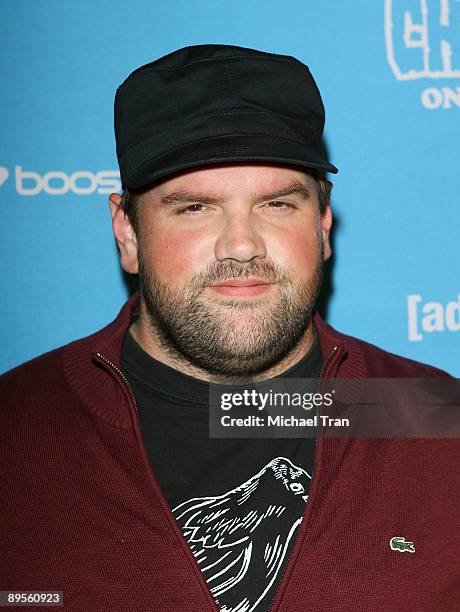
[209, 104]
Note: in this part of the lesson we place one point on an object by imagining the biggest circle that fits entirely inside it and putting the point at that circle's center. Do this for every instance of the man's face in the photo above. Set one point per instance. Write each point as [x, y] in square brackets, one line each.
[204, 233]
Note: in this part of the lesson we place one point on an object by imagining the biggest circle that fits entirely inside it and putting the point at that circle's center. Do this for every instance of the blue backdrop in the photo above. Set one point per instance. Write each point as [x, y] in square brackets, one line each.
[389, 73]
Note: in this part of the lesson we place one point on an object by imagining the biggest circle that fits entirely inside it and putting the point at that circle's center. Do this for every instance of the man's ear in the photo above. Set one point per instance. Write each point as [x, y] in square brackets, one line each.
[326, 224]
[124, 235]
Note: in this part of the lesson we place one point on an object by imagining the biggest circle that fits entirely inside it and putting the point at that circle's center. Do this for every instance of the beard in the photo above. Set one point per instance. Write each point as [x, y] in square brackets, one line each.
[229, 338]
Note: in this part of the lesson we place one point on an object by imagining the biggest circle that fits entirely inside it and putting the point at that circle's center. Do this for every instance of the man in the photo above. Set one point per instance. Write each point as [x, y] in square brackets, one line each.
[115, 493]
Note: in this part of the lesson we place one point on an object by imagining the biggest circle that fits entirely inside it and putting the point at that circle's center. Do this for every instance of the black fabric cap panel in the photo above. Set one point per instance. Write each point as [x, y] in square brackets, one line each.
[188, 100]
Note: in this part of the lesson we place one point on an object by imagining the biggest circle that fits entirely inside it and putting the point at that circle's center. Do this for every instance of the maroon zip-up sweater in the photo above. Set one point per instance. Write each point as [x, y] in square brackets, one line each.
[82, 512]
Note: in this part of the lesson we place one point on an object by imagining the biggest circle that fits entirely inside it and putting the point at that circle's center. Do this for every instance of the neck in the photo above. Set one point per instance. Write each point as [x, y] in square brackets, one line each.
[148, 337]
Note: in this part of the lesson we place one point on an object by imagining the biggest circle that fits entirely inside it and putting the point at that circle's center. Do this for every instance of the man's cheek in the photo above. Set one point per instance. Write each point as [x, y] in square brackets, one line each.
[299, 253]
[174, 258]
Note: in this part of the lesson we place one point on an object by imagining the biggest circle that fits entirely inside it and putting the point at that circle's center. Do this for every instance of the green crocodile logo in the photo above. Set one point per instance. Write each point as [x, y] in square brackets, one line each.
[399, 543]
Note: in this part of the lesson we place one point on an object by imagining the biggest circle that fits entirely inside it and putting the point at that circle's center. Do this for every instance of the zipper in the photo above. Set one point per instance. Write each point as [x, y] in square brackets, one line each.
[325, 364]
[126, 382]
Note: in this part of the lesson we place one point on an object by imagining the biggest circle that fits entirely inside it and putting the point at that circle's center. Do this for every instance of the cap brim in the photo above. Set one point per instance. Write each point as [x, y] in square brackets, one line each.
[226, 149]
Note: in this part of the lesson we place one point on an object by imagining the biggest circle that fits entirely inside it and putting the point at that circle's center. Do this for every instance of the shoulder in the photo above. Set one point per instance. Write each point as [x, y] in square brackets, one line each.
[371, 360]
[386, 364]
[50, 370]
[39, 377]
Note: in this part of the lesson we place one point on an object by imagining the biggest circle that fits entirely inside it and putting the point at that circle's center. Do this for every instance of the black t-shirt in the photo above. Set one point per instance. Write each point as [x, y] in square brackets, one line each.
[239, 502]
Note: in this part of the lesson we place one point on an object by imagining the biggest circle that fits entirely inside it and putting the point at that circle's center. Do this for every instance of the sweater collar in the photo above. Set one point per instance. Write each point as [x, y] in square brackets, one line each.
[88, 361]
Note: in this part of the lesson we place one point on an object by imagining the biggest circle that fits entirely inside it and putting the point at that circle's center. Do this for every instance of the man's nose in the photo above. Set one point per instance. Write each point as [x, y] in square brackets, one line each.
[239, 239]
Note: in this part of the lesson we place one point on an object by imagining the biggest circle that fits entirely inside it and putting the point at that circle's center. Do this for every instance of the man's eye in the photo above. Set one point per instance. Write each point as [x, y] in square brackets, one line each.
[279, 205]
[191, 209]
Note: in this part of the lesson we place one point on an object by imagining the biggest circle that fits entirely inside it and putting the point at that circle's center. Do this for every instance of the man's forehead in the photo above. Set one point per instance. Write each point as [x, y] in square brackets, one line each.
[257, 178]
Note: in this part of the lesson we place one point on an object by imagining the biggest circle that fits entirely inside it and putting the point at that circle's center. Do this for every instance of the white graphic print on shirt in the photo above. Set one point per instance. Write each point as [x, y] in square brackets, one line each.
[240, 539]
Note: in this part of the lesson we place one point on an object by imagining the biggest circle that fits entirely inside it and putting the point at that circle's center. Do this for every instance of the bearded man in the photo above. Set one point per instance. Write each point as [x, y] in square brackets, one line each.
[115, 494]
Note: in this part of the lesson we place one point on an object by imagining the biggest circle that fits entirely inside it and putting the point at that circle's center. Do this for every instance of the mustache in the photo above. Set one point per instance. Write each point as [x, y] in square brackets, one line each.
[219, 271]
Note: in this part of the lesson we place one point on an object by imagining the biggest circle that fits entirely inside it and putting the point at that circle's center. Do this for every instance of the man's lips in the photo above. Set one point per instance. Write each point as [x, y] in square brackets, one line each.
[239, 287]
[241, 282]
